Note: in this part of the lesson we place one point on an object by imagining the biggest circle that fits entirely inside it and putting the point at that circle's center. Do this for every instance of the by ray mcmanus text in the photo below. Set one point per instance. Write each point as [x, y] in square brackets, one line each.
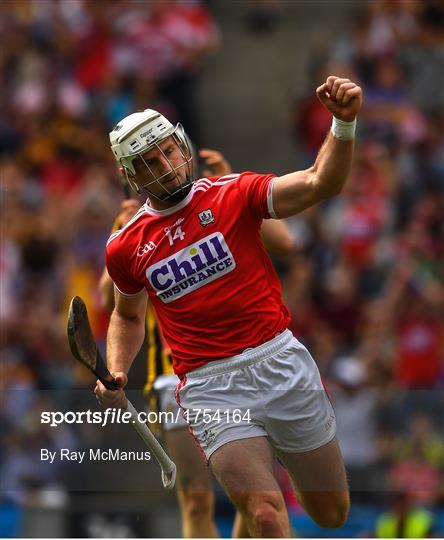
[93, 454]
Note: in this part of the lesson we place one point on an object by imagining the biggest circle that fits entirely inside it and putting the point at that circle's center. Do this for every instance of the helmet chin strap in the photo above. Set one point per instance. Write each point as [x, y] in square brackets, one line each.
[176, 196]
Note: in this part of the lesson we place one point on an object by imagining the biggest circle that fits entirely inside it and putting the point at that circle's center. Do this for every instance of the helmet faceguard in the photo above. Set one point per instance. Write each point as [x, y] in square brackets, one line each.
[141, 132]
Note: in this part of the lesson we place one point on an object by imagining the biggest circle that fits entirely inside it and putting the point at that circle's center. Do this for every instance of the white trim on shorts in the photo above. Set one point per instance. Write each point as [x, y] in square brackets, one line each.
[246, 358]
[164, 381]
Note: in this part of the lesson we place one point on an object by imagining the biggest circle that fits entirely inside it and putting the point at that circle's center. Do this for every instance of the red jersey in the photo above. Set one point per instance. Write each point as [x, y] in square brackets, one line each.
[203, 264]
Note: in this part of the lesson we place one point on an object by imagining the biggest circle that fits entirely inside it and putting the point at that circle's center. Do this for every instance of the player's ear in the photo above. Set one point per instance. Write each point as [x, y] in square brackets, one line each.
[126, 173]
[131, 179]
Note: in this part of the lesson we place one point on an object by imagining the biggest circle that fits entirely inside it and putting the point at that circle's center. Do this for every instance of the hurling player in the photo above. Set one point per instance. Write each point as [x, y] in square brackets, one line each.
[248, 388]
[195, 495]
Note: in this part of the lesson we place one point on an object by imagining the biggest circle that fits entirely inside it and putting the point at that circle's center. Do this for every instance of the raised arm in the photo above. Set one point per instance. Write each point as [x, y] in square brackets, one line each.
[275, 234]
[299, 190]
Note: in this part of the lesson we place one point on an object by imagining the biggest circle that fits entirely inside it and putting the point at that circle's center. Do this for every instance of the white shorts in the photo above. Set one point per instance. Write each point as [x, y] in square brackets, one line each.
[273, 391]
[164, 386]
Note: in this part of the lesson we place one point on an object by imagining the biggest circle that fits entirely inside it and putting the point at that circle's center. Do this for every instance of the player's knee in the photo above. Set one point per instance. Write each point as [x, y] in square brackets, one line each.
[335, 515]
[266, 520]
[198, 505]
[266, 517]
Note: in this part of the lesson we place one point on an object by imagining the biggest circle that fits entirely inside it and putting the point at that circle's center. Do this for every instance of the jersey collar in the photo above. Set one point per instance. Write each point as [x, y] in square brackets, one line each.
[172, 209]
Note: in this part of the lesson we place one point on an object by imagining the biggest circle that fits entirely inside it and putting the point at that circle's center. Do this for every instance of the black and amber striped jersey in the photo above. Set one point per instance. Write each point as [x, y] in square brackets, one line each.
[158, 361]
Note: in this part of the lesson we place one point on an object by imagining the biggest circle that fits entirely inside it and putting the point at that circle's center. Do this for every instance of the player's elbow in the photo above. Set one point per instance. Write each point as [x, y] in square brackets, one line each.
[135, 320]
[329, 187]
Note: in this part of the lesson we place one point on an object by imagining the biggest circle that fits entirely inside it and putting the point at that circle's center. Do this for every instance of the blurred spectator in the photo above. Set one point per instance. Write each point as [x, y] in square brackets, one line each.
[340, 304]
[422, 436]
[390, 114]
[264, 15]
[165, 42]
[404, 520]
[422, 58]
[415, 476]
[355, 404]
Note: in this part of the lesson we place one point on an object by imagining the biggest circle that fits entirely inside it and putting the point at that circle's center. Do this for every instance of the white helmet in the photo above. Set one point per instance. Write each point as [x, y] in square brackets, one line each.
[140, 132]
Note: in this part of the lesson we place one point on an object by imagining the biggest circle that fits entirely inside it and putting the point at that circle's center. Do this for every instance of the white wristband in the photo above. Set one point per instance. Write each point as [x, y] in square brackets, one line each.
[343, 130]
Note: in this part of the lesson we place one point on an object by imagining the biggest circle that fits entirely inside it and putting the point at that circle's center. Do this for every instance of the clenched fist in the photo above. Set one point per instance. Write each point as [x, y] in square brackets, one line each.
[342, 97]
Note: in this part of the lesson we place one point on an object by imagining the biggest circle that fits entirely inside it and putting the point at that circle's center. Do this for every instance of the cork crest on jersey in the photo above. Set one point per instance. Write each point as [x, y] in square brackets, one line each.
[191, 268]
[206, 217]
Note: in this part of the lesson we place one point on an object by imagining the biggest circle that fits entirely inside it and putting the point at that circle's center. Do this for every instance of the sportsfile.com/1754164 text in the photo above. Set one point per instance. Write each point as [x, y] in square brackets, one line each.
[120, 416]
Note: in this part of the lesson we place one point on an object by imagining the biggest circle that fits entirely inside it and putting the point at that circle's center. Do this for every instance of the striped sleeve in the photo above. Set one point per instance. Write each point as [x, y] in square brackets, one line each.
[257, 191]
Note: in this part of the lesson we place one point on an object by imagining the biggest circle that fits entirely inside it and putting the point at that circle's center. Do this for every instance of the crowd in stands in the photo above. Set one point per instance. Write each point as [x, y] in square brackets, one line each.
[366, 286]
[70, 69]
[365, 283]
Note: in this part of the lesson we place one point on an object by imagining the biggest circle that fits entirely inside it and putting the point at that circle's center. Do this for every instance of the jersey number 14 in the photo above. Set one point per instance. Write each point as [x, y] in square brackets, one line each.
[179, 234]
